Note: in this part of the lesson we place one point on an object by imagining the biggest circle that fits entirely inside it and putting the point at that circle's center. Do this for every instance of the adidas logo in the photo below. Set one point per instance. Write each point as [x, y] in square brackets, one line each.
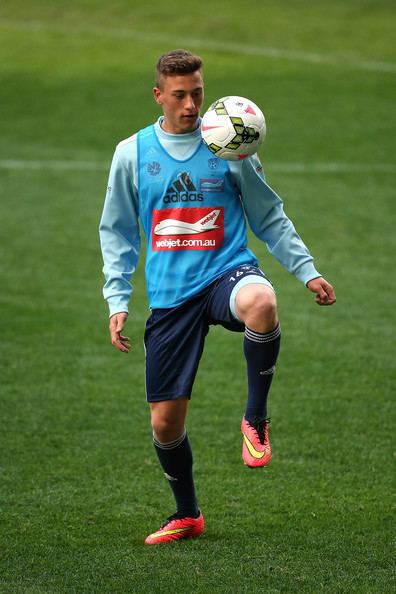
[182, 190]
[269, 371]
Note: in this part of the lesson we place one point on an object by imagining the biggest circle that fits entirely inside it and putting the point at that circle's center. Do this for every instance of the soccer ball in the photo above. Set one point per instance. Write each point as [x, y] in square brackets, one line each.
[233, 128]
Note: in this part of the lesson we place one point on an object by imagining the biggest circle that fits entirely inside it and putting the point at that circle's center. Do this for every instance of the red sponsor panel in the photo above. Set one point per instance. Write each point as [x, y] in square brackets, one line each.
[200, 228]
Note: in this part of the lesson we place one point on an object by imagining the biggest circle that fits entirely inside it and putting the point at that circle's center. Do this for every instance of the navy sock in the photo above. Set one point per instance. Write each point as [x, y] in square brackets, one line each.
[177, 461]
[261, 352]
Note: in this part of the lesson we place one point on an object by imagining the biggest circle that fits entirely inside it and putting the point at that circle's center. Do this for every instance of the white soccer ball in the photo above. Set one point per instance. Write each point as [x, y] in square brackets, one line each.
[233, 128]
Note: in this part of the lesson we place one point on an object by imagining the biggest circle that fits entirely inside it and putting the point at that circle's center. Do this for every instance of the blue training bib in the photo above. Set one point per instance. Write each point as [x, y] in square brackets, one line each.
[193, 220]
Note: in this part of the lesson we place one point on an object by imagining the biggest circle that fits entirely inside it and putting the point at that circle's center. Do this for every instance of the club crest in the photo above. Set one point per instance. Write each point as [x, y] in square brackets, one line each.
[212, 163]
[153, 168]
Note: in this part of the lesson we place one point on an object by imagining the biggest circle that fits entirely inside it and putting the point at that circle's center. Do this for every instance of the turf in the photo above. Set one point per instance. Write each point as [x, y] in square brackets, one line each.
[80, 487]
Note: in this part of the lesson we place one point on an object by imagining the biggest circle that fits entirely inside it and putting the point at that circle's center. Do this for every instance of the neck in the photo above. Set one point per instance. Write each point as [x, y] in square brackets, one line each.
[164, 127]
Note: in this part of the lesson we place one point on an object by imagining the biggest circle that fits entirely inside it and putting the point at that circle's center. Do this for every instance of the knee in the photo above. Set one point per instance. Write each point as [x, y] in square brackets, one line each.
[167, 421]
[165, 428]
[262, 304]
[256, 306]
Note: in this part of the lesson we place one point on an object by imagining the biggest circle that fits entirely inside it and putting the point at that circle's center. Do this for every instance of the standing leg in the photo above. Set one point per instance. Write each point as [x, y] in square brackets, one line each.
[174, 452]
[175, 456]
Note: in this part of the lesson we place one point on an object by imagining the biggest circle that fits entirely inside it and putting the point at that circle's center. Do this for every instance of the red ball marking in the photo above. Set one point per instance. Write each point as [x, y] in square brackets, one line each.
[250, 109]
[240, 157]
[204, 128]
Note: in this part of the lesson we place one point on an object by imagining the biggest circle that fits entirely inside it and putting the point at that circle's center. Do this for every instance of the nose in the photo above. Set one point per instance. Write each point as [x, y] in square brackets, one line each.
[189, 103]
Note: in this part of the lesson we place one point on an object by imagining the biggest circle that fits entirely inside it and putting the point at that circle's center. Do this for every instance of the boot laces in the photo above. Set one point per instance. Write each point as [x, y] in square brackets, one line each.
[260, 425]
[176, 516]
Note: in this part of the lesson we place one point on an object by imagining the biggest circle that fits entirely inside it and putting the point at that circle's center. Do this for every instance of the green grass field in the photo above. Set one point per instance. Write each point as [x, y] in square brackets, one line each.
[80, 486]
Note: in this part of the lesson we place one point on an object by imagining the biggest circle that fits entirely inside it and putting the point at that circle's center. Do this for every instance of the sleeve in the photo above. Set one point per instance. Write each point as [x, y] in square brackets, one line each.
[119, 231]
[268, 221]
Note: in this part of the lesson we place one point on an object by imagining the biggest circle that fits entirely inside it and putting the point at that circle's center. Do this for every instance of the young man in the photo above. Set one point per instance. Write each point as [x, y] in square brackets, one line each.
[199, 271]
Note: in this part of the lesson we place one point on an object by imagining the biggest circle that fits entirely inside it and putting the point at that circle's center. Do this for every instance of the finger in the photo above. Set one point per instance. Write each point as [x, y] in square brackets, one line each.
[121, 346]
[120, 342]
[331, 295]
[124, 338]
[323, 300]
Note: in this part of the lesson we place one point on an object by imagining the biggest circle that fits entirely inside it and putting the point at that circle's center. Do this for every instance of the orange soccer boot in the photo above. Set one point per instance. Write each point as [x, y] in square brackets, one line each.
[177, 528]
[256, 449]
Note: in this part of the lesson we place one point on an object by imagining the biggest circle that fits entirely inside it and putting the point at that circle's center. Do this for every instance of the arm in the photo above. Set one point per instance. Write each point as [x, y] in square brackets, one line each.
[268, 221]
[120, 240]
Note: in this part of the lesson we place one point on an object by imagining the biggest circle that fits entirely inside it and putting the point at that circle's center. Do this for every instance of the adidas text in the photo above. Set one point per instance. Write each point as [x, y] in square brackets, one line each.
[183, 197]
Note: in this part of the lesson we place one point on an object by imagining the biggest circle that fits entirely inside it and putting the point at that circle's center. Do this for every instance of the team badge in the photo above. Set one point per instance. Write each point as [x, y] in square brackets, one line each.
[212, 163]
[153, 168]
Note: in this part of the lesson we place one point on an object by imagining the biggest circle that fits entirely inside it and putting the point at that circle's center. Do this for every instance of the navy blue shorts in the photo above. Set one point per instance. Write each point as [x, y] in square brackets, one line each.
[174, 338]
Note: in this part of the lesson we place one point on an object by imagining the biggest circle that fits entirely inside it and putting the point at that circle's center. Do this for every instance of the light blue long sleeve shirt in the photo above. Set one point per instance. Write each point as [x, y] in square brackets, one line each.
[119, 226]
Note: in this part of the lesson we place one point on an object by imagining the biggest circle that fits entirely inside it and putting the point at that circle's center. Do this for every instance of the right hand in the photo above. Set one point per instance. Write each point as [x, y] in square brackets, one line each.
[117, 322]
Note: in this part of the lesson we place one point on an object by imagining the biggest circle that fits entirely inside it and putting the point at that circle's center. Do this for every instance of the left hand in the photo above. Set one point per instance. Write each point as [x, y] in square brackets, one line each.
[324, 291]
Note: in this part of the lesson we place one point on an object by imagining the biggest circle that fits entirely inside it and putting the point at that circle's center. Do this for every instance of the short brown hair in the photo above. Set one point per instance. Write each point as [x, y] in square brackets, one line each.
[176, 62]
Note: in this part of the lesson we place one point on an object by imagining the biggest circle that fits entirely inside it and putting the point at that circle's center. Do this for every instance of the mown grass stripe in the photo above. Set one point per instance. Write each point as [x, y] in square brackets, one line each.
[296, 167]
[339, 60]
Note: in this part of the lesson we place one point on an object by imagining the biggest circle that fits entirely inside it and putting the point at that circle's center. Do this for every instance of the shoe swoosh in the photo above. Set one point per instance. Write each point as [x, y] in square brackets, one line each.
[252, 450]
[167, 532]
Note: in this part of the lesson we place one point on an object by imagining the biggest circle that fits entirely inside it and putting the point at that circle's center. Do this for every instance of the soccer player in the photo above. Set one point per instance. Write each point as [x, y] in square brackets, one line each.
[192, 207]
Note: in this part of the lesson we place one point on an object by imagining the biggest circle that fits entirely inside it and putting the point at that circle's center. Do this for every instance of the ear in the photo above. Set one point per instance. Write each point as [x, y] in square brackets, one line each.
[157, 95]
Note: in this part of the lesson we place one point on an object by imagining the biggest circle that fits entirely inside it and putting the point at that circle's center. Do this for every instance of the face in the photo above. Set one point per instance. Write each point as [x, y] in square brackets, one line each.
[181, 100]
